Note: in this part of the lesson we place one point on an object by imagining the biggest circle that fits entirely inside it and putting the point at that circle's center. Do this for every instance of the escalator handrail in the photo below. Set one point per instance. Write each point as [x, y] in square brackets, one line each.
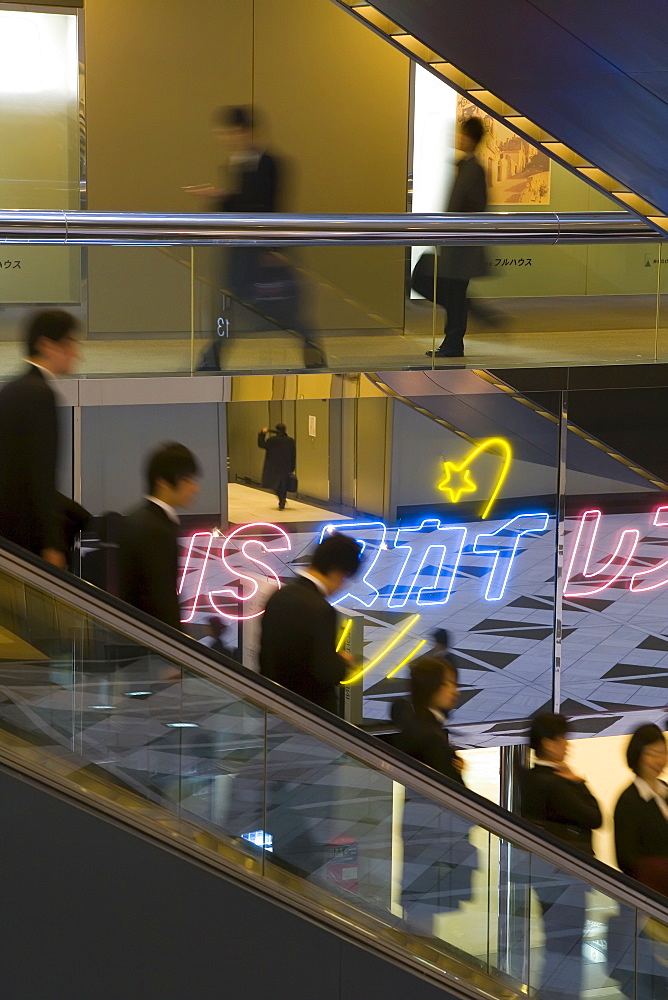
[75, 228]
[346, 738]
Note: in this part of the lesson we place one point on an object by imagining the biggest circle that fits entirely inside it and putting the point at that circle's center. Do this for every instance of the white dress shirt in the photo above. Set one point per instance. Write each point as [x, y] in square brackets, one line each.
[314, 580]
[647, 793]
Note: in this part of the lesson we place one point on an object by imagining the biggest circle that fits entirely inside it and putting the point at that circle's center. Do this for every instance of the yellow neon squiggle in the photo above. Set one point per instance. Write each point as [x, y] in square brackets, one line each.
[421, 643]
[383, 653]
[345, 632]
[495, 442]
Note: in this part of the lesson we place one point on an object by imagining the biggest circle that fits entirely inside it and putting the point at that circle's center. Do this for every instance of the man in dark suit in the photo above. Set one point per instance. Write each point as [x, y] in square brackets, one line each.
[280, 461]
[460, 264]
[148, 553]
[249, 182]
[559, 801]
[298, 641]
[32, 512]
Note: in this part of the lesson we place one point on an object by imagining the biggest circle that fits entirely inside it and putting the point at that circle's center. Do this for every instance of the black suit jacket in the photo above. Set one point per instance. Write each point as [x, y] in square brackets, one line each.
[424, 738]
[256, 186]
[640, 831]
[280, 459]
[469, 194]
[298, 644]
[564, 808]
[31, 512]
[148, 563]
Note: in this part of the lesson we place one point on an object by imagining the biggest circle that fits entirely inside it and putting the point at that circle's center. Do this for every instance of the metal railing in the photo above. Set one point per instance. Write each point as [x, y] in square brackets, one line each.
[493, 228]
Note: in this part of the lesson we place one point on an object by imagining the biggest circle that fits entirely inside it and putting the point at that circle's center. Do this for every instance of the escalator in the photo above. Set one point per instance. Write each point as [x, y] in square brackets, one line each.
[173, 825]
[584, 81]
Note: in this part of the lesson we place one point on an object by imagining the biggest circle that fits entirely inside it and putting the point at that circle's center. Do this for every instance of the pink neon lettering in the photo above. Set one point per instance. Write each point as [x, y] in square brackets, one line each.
[639, 580]
[206, 538]
[589, 582]
[281, 544]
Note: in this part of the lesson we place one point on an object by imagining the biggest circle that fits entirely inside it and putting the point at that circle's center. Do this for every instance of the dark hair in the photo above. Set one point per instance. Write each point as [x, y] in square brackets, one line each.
[643, 737]
[281, 429]
[546, 726]
[426, 678]
[442, 637]
[233, 117]
[52, 324]
[216, 623]
[172, 462]
[473, 128]
[337, 552]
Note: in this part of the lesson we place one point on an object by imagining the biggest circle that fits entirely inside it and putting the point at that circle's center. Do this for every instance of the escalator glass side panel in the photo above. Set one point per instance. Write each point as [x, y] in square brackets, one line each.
[353, 838]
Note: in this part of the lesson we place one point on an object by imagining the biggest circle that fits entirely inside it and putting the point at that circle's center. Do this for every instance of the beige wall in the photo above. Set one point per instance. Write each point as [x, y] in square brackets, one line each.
[334, 95]
[154, 72]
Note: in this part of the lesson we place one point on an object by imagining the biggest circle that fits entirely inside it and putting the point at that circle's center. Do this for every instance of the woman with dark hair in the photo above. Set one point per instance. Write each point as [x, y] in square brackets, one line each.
[558, 800]
[553, 796]
[641, 842]
[641, 813]
[439, 860]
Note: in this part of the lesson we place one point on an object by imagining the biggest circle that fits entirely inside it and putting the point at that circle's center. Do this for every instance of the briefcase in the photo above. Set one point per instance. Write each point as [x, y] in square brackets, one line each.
[293, 485]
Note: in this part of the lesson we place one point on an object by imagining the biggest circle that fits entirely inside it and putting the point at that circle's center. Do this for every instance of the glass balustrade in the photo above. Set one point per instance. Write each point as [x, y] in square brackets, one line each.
[155, 729]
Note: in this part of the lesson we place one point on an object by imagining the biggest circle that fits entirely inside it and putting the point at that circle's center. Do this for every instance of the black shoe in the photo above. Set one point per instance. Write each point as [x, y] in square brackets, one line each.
[444, 354]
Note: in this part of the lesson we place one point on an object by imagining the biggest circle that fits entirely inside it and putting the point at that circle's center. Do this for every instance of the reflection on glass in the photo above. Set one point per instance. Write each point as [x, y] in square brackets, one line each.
[179, 750]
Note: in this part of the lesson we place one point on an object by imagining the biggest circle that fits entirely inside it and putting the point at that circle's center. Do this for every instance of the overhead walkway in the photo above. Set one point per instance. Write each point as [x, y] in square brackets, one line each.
[586, 82]
[126, 745]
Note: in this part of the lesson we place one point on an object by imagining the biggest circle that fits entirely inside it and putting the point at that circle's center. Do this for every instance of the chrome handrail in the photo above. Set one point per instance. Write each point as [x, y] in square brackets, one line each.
[493, 228]
[269, 698]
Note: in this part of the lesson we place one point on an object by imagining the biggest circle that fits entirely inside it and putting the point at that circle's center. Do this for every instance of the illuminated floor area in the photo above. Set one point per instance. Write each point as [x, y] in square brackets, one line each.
[531, 332]
[247, 505]
[366, 350]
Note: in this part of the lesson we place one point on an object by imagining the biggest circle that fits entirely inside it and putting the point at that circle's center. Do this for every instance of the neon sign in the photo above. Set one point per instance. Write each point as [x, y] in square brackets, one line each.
[458, 479]
[430, 549]
[280, 544]
[582, 581]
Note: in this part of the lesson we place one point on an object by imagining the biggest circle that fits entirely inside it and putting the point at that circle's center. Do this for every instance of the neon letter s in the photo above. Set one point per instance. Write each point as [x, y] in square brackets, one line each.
[280, 544]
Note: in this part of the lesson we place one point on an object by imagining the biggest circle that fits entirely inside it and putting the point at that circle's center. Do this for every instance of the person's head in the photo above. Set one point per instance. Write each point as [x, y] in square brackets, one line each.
[471, 131]
[336, 560]
[548, 736]
[646, 752]
[281, 429]
[234, 127]
[51, 341]
[441, 640]
[215, 626]
[434, 684]
[171, 474]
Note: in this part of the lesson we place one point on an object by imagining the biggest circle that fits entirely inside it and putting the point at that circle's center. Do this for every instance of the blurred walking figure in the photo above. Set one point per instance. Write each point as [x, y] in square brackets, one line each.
[279, 461]
[32, 512]
[441, 647]
[439, 860]
[637, 960]
[461, 263]
[219, 637]
[641, 813]
[558, 800]
[251, 182]
[148, 551]
[299, 626]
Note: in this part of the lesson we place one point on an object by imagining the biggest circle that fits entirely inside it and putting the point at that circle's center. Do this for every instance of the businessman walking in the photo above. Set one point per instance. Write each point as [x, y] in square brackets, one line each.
[32, 512]
[149, 535]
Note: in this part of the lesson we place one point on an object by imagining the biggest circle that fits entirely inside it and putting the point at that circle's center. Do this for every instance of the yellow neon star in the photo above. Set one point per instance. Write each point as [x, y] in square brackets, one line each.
[494, 445]
[466, 484]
